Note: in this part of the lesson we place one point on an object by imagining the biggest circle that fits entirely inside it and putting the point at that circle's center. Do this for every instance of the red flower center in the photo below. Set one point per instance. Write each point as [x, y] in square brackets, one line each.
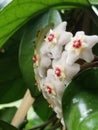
[49, 89]
[51, 37]
[58, 72]
[77, 44]
[34, 59]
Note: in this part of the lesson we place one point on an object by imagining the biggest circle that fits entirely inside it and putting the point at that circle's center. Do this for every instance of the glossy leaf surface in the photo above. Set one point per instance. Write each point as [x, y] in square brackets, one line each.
[80, 101]
[18, 12]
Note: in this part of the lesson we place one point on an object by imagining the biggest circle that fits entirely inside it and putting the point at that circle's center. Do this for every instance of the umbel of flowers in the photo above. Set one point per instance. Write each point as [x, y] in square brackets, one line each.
[55, 62]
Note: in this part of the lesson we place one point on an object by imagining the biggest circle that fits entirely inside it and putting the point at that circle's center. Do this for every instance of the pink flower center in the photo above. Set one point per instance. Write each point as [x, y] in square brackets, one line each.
[49, 90]
[58, 72]
[77, 44]
[34, 59]
[51, 37]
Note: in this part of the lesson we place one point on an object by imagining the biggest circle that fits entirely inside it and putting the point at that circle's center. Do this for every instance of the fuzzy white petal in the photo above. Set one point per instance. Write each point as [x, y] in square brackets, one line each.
[60, 27]
[91, 40]
[56, 52]
[87, 55]
[65, 37]
[72, 58]
[79, 34]
[45, 62]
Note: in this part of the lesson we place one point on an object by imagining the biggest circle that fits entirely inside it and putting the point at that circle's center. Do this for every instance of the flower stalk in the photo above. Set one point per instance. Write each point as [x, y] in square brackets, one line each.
[23, 109]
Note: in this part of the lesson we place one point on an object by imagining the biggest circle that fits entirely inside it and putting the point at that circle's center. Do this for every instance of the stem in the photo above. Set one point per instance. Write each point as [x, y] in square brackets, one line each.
[23, 109]
[55, 126]
[94, 63]
[89, 65]
[42, 126]
[96, 58]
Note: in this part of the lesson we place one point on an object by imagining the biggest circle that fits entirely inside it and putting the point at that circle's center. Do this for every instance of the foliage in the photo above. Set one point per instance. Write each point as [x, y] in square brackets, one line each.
[20, 21]
[83, 99]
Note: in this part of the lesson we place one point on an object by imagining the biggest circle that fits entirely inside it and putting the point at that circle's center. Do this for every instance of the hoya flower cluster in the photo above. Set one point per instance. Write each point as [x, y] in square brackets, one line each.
[55, 62]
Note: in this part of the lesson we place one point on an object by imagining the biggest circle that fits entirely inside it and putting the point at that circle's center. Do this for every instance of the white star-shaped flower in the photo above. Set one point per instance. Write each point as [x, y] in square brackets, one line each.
[51, 38]
[55, 40]
[80, 47]
[58, 86]
[62, 70]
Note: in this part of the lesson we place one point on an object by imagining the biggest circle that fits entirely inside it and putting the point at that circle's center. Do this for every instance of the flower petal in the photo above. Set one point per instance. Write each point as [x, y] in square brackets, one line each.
[65, 37]
[87, 55]
[45, 62]
[56, 52]
[91, 40]
[79, 34]
[72, 70]
[61, 27]
[72, 57]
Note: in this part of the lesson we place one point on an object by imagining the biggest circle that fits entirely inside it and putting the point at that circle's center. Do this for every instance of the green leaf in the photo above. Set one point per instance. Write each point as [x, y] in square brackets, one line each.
[5, 126]
[28, 43]
[42, 108]
[7, 113]
[18, 12]
[79, 102]
[9, 68]
[12, 86]
[12, 90]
